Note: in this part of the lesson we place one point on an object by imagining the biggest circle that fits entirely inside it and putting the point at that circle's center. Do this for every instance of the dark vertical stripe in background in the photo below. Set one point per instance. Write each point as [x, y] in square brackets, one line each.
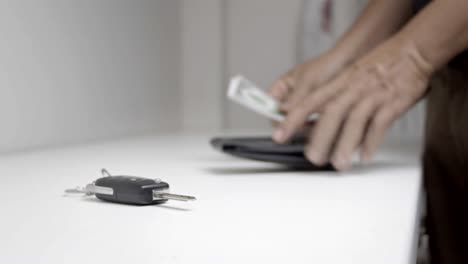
[327, 16]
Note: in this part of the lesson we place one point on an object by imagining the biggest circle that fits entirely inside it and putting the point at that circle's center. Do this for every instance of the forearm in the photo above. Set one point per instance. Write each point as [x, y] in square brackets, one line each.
[380, 20]
[437, 34]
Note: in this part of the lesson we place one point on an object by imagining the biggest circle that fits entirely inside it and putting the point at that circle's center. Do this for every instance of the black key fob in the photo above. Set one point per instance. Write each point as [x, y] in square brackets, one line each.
[131, 190]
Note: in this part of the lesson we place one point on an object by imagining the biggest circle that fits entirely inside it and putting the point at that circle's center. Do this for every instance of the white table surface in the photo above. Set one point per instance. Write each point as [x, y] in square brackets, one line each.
[246, 212]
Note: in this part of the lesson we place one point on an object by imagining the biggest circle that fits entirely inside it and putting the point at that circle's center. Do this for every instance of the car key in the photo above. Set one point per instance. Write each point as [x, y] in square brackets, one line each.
[129, 190]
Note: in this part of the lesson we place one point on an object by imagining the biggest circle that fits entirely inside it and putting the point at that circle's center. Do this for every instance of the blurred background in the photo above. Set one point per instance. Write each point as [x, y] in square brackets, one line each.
[74, 71]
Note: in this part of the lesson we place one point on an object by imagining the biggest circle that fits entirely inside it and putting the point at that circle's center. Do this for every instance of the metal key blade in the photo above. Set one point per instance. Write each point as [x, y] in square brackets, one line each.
[170, 196]
[93, 189]
[90, 189]
[77, 190]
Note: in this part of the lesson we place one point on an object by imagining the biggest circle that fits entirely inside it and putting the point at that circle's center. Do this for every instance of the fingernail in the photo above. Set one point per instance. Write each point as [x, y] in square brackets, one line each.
[314, 157]
[283, 86]
[279, 135]
[341, 163]
[337, 162]
[366, 158]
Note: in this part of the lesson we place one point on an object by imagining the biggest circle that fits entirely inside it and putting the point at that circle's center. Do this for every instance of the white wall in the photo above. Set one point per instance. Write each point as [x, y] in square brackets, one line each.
[261, 44]
[78, 70]
[203, 53]
[257, 38]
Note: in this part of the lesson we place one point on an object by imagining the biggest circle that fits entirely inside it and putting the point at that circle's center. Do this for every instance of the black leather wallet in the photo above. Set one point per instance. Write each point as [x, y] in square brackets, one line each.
[264, 149]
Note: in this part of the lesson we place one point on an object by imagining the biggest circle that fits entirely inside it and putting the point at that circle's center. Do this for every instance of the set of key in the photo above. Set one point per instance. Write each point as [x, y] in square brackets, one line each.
[129, 190]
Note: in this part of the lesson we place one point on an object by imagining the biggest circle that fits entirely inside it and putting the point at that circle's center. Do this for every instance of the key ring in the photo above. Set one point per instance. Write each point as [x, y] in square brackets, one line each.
[105, 173]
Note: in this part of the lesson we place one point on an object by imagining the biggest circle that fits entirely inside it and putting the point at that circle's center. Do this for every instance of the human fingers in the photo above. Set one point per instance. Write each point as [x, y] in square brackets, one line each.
[312, 75]
[282, 87]
[328, 127]
[379, 125]
[299, 115]
[304, 85]
[354, 130]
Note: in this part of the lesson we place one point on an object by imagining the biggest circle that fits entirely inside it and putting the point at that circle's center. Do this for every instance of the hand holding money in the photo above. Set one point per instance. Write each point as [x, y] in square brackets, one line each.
[247, 94]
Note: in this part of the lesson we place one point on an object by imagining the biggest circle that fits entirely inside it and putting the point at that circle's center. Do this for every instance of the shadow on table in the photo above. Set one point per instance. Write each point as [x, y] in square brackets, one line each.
[258, 171]
[164, 206]
[382, 165]
[358, 169]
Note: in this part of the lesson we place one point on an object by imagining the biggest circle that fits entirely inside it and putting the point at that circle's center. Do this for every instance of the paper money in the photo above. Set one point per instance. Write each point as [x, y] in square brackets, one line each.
[247, 94]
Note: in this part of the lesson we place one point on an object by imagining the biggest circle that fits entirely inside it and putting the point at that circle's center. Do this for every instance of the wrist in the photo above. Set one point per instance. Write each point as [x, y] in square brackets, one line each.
[437, 34]
[416, 53]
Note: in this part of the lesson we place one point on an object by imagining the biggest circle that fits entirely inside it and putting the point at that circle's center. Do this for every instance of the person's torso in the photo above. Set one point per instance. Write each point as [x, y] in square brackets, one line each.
[420, 4]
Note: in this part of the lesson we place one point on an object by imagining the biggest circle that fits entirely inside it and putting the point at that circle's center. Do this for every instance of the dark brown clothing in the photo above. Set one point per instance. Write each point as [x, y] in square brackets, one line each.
[445, 163]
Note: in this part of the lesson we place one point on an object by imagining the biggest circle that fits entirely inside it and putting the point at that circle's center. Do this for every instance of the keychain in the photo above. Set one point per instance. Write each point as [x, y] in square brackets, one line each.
[129, 190]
